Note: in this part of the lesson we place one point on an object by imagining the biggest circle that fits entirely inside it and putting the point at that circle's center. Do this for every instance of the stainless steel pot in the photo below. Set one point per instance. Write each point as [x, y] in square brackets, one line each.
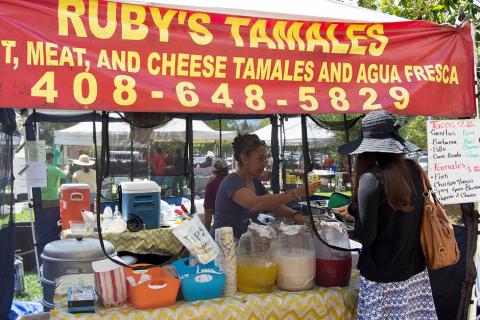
[69, 256]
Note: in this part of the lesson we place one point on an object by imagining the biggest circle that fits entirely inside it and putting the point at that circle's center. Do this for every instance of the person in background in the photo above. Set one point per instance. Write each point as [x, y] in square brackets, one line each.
[46, 219]
[328, 162]
[220, 170]
[158, 166]
[86, 174]
[388, 206]
[178, 172]
[241, 196]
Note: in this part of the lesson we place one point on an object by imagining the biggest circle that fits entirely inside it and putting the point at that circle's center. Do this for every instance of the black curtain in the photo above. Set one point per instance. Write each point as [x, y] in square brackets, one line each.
[7, 226]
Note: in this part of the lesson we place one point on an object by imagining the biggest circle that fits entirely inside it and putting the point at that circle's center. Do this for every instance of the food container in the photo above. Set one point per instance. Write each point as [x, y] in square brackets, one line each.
[110, 283]
[199, 281]
[333, 267]
[295, 257]
[151, 288]
[256, 265]
[140, 204]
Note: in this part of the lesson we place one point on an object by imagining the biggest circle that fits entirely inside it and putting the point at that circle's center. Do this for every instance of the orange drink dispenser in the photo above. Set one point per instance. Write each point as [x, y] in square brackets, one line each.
[256, 266]
[73, 198]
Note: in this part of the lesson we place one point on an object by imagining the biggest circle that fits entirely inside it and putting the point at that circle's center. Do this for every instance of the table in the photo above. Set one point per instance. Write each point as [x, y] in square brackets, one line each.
[318, 303]
[159, 241]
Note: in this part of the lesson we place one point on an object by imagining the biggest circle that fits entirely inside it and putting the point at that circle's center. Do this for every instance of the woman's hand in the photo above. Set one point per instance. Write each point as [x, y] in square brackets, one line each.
[312, 188]
[298, 219]
[343, 212]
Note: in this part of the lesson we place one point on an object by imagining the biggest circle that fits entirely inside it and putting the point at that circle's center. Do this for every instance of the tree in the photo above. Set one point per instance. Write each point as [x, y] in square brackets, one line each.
[439, 11]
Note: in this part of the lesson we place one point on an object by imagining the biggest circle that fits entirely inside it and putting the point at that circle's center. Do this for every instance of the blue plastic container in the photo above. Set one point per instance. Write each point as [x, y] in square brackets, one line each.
[175, 200]
[141, 201]
[200, 282]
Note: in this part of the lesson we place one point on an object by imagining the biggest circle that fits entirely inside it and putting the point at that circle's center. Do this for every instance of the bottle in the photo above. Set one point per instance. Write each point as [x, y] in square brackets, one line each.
[117, 213]
[107, 213]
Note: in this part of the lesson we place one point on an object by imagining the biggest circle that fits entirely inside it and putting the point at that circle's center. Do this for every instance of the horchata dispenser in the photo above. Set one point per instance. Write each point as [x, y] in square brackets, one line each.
[333, 266]
[256, 266]
[295, 257]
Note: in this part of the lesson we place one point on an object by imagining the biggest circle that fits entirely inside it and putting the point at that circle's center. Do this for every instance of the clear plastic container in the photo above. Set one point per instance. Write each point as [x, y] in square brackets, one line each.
[333, 266]
[256, 265]
[295, 256]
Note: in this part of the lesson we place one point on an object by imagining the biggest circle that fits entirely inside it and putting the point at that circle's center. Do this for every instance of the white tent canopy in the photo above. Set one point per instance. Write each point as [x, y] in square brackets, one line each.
[81, 134]
[175, 130]
[309, 10]
[317, 137]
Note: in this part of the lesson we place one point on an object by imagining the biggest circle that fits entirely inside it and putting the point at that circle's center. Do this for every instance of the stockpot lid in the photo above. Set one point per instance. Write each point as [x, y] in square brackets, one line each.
[85, 249]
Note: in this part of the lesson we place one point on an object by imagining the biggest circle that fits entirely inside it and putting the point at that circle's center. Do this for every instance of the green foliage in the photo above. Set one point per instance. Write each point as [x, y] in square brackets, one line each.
[416, 131]
[439, 11]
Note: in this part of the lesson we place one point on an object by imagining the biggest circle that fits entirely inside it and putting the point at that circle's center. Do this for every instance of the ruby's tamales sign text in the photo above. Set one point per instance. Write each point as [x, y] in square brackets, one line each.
[74, 54]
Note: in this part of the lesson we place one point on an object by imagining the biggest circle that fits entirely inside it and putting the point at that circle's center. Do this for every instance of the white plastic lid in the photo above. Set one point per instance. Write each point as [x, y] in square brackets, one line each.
[66, 186]
[139, 186]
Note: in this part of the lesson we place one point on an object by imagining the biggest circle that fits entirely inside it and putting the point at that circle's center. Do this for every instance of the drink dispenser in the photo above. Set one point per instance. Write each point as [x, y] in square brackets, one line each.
[295, 258]
[333, 266]
[256, 266]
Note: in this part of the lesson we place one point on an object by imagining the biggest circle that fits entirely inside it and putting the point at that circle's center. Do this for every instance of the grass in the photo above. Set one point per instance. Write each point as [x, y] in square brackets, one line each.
[33, 289]
[20, 217]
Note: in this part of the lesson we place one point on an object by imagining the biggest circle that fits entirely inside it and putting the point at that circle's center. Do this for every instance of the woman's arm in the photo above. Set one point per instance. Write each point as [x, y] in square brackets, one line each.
[248, 199]
[369, 193]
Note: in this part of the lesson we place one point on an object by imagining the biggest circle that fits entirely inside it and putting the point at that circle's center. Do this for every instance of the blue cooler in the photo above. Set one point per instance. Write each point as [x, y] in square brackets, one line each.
[140, 203]
[199, 282]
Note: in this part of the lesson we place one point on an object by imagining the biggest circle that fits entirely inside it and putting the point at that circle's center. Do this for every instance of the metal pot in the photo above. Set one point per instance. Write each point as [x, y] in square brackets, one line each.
[69, 256]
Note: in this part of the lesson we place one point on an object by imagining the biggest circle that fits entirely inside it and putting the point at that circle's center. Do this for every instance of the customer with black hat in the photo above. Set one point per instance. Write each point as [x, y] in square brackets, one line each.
[388, 206]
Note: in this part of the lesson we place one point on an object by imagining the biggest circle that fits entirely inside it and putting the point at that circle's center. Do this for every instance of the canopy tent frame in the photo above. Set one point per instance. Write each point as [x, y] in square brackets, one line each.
[210, 7]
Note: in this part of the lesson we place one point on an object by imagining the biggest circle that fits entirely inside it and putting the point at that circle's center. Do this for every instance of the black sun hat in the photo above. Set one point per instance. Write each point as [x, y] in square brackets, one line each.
[379, 134]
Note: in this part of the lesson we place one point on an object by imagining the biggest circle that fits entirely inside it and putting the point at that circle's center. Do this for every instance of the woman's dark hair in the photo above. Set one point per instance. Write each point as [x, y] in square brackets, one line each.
[245, 144]
[86, 169]
[394, 175]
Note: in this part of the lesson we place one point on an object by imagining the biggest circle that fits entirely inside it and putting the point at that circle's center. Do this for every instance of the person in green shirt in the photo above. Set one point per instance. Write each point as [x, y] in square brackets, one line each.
[47, 216]
[54, 174]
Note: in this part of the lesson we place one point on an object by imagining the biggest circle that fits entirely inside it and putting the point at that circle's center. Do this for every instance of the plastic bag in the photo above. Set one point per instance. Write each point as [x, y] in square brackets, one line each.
[195, 237]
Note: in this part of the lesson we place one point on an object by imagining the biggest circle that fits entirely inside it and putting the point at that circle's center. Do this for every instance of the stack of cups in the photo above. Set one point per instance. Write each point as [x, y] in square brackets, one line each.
[227, 258]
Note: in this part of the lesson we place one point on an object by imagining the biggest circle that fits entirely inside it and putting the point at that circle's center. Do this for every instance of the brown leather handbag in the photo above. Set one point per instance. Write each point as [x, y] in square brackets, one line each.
[436, 235]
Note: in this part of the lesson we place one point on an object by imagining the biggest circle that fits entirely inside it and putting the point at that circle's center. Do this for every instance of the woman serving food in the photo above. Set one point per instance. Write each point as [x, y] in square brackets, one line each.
[241, 196]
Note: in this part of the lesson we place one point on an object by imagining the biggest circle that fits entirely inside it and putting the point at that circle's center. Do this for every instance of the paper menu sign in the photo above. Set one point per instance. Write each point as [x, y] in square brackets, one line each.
[36, 174]
[35, 151]
[454, 159]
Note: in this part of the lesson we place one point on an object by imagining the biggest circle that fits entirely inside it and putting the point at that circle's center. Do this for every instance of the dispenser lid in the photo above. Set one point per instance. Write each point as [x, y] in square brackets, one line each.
[85, 249]
[66, 186]
[139, 186]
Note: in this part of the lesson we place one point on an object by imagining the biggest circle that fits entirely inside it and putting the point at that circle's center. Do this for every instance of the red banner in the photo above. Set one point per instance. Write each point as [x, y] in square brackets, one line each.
[98, 55]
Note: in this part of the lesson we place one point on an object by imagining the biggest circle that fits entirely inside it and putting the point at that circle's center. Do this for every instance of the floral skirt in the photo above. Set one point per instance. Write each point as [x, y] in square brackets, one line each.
[405, 300]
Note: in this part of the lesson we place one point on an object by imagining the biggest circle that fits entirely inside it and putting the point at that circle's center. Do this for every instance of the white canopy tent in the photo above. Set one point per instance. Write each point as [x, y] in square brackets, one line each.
[175, 130]
[322, 10]
[81, 134]
[317, 137]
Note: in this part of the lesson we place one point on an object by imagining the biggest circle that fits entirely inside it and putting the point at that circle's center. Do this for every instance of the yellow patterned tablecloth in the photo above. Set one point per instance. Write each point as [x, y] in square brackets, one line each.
[318, 303]
[155, 241]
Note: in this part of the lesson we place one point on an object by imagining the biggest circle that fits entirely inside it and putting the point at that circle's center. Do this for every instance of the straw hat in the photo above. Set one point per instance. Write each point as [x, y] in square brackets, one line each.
[379, 134]
[84, 160]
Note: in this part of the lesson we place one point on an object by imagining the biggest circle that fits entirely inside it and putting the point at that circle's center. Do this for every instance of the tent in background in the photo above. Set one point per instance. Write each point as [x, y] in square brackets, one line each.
[317, 137]
[175, 130]
[81, 134]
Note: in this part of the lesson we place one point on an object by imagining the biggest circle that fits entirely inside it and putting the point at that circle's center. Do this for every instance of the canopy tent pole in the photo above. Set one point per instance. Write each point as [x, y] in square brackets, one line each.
[347, 140]
[132, 167]
[189, 126]
[275, 155]
[220, 142]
